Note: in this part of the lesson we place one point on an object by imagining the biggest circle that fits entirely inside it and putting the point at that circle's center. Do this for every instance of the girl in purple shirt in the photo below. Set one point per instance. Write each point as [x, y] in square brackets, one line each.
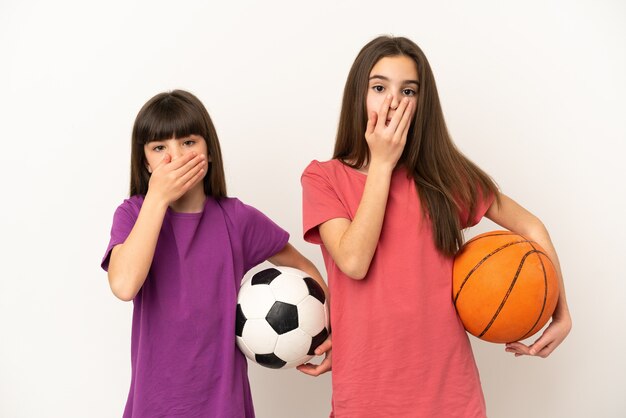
[179, 248]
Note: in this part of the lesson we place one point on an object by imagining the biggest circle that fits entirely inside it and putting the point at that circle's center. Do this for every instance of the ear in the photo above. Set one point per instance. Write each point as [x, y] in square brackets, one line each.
[148, 168]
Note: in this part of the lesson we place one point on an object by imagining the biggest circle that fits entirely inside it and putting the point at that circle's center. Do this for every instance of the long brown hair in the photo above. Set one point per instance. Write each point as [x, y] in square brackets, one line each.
[448, 183]
[175, 114]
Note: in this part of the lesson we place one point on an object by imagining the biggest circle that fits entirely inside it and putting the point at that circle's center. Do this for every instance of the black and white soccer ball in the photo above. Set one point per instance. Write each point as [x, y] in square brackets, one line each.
[282, 316]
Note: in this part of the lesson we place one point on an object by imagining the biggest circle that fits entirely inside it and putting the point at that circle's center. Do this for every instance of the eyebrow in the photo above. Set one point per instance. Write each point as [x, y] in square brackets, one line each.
[185, 138]
[382, 77]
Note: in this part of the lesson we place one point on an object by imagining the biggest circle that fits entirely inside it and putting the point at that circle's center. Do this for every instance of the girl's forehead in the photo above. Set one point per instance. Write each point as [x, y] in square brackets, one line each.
[398, 66]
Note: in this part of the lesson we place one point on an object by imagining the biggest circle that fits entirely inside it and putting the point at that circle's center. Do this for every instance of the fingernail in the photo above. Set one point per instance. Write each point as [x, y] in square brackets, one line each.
[532, 352]
[389, 96]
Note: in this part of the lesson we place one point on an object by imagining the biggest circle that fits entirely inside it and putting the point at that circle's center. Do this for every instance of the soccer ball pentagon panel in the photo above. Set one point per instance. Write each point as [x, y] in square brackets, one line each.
[282, 316]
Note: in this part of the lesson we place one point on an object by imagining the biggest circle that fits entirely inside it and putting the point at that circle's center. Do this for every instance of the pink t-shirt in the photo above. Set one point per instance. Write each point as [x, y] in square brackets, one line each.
[399, 348]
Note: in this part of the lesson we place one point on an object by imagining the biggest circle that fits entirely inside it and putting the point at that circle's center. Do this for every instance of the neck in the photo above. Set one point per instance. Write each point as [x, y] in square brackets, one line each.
[190, 202]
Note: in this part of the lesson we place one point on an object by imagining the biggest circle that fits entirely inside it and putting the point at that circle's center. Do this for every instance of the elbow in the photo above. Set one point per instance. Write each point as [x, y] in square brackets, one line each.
[356, 275]
[355, 269]
[535, 230]
[126, 297]
[120, 291]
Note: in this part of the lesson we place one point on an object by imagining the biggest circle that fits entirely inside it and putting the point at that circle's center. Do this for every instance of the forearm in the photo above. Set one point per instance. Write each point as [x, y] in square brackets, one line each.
[537, 232]
[515, 218]
[130, 262]
[354, 248]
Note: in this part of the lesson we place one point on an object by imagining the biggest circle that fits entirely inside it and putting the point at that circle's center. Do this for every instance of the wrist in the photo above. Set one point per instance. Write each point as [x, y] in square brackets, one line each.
[156, 202]
[381, 167]
[561, 313]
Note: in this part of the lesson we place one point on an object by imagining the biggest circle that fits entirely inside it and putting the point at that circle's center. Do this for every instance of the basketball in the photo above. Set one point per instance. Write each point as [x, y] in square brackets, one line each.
[504, 287]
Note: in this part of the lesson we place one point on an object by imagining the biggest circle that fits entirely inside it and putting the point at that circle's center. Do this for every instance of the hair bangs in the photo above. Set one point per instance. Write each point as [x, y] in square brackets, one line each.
[169, 118]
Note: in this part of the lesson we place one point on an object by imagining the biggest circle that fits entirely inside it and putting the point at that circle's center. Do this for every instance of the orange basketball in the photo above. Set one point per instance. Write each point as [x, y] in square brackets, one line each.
[504, 287]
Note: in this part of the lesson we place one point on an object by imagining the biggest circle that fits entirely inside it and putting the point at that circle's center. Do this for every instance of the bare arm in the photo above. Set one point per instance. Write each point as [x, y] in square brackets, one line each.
[130, 262]
[515, 218]
[352, 244]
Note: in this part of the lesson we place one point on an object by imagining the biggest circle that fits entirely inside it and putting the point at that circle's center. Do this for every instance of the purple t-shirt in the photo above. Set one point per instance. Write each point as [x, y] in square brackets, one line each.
[183, 355]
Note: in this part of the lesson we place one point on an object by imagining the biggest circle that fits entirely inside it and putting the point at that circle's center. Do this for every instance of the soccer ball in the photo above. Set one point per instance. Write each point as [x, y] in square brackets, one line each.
[282, 316]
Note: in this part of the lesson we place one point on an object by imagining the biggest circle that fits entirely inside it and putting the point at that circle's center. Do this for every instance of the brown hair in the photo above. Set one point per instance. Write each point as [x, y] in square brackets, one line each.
[175, 114]
[448, 183]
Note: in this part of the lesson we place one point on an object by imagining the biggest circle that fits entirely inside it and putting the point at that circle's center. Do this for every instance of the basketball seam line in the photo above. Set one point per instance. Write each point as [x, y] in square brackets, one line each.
[458, 293]
[508, 293]
[545, 294]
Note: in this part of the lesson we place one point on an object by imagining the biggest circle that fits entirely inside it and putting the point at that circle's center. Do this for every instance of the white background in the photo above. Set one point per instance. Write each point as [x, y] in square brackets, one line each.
[532, 91]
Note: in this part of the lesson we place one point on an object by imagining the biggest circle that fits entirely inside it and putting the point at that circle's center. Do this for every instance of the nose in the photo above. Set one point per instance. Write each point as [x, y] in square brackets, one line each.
[176, 152]
[395, 102]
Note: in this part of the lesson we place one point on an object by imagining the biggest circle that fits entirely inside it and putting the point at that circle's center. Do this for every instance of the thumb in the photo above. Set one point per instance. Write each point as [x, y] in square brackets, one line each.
[538, 345]
[371, 122]
[323, 347]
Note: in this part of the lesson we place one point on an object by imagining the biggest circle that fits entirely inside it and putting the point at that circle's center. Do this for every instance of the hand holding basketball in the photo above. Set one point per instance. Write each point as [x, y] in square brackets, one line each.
[545, 345]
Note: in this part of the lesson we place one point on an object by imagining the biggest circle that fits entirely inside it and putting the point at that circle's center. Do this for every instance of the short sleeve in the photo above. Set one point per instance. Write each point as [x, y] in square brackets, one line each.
[482, 206]
[261, 238]
[123, 222]
[320, 202]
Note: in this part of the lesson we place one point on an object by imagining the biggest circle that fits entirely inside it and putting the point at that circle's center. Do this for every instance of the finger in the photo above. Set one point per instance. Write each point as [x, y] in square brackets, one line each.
[405, 123]
[400, 111]
[325, 366]
[189, 164]
[308, 368]
[195, 179]
[514, 351]
[546, 351]
[382, 113]
[518, 347]
[323, 347]
[538, 345]
[183, 159]
[371, 122]
[191, 168]
[315, 370]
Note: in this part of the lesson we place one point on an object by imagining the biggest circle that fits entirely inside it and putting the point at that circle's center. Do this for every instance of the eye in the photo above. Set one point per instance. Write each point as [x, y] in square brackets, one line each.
[378, 88]
[189, 143]
[409, 92]
[158, 148]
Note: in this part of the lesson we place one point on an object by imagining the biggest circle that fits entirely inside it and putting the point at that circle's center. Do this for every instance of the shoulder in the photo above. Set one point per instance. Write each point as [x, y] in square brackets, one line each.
[132, 205]
[323, 166]
[235, 209]
[228, 204]
[135, 200]
[327, 169]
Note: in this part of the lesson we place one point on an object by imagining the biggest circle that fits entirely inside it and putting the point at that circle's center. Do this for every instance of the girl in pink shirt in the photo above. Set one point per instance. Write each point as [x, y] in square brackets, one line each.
[388, 211]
